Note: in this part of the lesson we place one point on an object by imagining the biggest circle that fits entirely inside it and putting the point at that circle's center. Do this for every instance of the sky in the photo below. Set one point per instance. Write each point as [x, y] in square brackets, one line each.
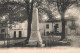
[72, 11]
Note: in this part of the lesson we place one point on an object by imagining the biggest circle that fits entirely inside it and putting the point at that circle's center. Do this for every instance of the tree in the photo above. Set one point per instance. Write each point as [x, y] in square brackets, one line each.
[29, 7]
[18, 11]
[15, 11]
[46, 8]
[62, 6]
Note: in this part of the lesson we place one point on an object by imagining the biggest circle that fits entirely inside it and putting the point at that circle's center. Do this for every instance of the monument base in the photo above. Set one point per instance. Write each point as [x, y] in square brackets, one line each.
[35, 39]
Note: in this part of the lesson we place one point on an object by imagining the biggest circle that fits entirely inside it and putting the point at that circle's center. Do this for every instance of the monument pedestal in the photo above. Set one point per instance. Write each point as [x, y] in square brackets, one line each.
[35, 37]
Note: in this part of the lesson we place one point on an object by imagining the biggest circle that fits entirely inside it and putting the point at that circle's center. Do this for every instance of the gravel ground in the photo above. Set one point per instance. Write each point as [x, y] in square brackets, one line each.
[75, 40]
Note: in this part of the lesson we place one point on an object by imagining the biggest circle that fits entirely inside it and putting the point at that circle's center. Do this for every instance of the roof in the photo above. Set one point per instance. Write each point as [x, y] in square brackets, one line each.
[58, 20]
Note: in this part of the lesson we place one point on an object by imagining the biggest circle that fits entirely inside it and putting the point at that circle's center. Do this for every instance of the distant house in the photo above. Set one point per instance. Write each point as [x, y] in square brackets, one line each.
[52, 26]
[49, 26]
[19, 30]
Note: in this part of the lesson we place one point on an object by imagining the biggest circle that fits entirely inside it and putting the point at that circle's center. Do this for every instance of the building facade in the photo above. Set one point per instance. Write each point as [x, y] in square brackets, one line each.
[19, 30]
[47, 27]
[50, 27]
[55, 27]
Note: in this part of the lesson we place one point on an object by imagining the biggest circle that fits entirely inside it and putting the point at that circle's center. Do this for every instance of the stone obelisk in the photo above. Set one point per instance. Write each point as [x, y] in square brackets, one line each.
[35, 33]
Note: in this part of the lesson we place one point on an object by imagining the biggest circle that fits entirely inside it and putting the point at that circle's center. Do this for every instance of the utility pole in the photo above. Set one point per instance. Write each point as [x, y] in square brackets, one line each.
[62, 6]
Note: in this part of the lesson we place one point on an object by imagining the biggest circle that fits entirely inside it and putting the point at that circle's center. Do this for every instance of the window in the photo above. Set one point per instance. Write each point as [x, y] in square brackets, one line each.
[47, 26]
[2, 30]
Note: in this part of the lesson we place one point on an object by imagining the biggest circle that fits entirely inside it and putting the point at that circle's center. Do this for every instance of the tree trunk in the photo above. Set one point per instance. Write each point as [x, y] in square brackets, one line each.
[63, 26]
[30, 11]
[28, 31]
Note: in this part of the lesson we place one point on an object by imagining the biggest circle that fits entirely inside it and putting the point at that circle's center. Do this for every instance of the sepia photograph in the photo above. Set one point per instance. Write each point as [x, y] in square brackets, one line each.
[40, 24]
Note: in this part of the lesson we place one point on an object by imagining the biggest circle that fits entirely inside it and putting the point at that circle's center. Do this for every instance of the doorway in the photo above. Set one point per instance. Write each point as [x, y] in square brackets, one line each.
[14, 34]
[20, 34]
